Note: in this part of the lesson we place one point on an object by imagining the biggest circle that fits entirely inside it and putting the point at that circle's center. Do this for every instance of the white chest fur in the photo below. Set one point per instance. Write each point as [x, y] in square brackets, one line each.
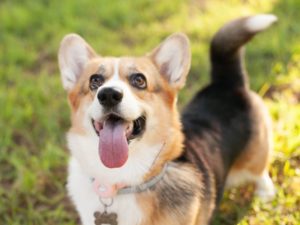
[87, 202]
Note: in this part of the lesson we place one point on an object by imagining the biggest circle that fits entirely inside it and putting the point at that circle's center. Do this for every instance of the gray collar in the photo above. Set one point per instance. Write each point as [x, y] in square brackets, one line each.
[144, 186]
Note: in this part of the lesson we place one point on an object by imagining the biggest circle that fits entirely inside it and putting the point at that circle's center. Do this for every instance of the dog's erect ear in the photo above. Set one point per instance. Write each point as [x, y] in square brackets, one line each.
[73, 55]
[173, 57]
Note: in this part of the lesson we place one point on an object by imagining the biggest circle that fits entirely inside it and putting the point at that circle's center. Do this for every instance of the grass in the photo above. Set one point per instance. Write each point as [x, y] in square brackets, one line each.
[34, 114]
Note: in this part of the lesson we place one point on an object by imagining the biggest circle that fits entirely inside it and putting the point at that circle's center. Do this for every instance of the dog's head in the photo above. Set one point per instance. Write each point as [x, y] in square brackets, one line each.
[123, 106]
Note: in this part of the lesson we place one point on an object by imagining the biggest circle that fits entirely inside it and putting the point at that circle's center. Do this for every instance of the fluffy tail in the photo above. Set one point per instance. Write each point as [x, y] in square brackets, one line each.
[226, 51]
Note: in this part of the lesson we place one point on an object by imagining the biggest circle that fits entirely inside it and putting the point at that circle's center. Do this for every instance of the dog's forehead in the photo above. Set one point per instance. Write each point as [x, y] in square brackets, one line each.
[121, 66]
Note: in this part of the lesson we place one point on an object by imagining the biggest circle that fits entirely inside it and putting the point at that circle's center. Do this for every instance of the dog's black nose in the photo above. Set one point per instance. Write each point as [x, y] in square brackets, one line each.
[110, 97]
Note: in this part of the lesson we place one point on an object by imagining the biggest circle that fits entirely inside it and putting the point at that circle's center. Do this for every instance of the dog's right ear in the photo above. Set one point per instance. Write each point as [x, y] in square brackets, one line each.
[172, 58]
[73, 55]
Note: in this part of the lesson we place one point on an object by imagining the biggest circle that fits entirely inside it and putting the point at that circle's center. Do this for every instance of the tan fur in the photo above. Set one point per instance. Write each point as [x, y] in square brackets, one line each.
[255, 158]
[195, 214]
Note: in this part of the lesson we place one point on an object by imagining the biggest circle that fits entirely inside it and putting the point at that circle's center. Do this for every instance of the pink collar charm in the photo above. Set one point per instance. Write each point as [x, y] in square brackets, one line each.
[106, 191]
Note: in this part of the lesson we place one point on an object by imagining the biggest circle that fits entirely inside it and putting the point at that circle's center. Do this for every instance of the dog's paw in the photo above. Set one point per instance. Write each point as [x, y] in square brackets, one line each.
[265, 188]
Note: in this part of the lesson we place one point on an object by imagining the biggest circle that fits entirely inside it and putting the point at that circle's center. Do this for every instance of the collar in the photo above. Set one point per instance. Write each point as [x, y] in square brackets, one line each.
[109, 191]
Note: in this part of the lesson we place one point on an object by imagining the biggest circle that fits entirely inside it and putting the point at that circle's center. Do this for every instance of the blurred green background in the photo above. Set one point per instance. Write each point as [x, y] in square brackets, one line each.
[34, 114]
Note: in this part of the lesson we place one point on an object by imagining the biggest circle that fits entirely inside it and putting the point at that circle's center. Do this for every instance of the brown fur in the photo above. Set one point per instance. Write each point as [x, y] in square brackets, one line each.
[175, 209]
[256, 156]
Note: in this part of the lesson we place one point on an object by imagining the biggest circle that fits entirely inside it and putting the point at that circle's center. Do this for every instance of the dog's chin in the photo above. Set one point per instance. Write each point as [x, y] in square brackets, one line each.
[134, 128]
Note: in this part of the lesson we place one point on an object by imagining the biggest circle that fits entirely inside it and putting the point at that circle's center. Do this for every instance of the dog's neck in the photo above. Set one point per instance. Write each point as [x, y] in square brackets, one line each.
[110, 191]
[173, 148]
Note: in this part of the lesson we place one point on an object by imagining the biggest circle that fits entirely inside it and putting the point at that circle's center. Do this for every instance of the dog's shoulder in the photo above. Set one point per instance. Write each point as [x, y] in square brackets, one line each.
[180, 192]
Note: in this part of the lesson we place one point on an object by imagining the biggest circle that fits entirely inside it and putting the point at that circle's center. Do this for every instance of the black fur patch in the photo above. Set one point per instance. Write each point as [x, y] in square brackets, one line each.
[217, 127]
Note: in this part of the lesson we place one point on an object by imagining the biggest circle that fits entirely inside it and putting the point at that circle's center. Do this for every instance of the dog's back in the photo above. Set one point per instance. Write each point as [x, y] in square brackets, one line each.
[225, 118]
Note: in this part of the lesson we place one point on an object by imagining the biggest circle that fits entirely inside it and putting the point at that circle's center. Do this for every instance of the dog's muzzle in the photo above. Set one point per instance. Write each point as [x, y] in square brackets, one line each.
[115, 134]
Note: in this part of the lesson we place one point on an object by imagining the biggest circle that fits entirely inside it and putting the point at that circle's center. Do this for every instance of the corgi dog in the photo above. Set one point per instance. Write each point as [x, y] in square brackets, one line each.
[134, 159]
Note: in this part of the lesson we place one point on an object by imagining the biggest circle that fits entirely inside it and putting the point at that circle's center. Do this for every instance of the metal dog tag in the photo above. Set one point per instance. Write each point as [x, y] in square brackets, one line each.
[105, 218]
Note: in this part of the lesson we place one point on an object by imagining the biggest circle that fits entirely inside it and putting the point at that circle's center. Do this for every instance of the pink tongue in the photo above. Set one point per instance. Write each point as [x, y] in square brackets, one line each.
[113, 147]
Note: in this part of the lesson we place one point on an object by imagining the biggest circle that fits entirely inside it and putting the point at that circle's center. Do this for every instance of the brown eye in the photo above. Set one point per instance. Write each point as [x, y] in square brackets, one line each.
[138, 80]
[96, 80]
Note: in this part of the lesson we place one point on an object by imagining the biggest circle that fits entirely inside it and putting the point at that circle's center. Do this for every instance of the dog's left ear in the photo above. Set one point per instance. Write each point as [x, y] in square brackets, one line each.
[173, 58]
[73, 55]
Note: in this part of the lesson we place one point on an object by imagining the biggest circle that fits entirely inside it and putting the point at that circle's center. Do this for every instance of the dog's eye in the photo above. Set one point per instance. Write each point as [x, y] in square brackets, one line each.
[138, 80]
[96, 80]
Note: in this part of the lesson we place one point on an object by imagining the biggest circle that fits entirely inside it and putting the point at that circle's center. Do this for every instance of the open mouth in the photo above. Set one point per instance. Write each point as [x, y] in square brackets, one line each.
[115, 134]
[134, 128]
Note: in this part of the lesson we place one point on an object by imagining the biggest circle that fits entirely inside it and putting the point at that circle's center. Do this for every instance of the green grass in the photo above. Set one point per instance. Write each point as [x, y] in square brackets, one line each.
[34, 114]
